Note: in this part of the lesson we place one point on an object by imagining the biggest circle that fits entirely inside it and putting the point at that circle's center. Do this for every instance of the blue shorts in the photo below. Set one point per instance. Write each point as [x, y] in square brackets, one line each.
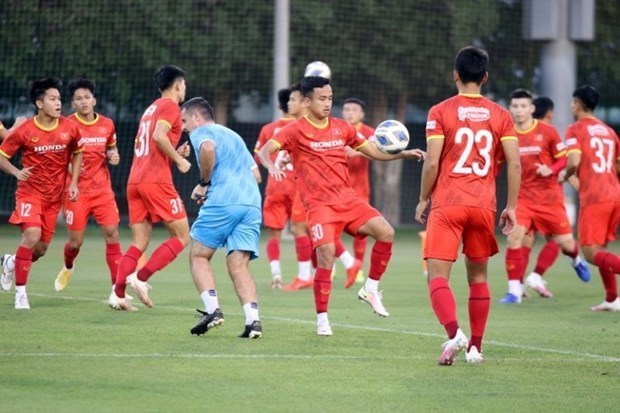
[236, 226]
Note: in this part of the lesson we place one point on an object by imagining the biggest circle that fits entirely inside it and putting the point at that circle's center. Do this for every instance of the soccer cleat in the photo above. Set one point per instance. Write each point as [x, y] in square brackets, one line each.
[141, 288]
[360, 278]
[324, 329]
[276, 283]
[536, 283]
[510, 299]
[374, 300]
[8, 272]
[473, 355]
[613, 306]
[254, 330]
[352, 273]
[121, 304]
[298, 284]
[581, 268]
[21, 301]
[452, 348]
[63, 278]
[207, 321]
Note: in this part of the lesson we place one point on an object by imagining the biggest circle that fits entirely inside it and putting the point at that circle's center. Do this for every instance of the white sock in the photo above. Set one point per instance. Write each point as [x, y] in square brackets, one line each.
[321, 318]
[304, 273]
[251, 312]
[209, 298]
[514, 288]
[276, 271]
[20, 289]
[371, 286]
[347, 259]
[575, 261]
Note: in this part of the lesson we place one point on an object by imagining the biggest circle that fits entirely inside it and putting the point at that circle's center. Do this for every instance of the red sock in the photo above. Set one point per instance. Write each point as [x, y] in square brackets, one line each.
[514, 263]
[444, 304]
[548, 254]
[113, 256]
[379, 259]
[608, 261]
[303, 247]
[23, 262]
[339, 247]
[479, 305]
[322, 289]
[610, 283]
[70, 254]
[126, 266]
[162, 256]
[574, 253]
[273, 249]
[359, 247]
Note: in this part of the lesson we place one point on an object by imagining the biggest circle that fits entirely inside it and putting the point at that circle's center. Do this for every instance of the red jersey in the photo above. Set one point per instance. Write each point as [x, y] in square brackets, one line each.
[320, 159]
[540, 144]
[287, 185]
[98, 136]
[150, 164]
[472, 127]
[48, 151]
[598, 145]
[359, 166]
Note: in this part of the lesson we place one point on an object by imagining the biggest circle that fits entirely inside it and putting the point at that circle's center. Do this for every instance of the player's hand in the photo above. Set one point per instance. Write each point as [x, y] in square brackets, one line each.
[113, 157]
[276, 173]
[562, 176]
[283, 161]
[508, 221]
[183, 165]
[73, 192]
[421, 211]
[418, 154]
[184, 150]
[543, 170]
[199, 194]
[24, 174]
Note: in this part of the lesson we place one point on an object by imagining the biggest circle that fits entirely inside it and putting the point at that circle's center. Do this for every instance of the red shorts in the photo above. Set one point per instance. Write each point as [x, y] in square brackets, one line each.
[546, 219]
[448, 225]
[598, 223]
[277, 210]
[154, 202]
[298, 212]
[327, 222]
[101, 205]
[31, 210]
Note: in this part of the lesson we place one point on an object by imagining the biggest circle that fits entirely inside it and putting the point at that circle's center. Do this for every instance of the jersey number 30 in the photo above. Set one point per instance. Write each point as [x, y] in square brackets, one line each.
[472, 140]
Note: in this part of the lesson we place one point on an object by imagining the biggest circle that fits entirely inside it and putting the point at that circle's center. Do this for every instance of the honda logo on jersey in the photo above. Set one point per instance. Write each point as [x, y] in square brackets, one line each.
[474, 113]
[336, 143]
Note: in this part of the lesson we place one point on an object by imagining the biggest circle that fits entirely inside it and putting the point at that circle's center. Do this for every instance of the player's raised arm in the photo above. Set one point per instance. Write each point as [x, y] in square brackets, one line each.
[370, 149]
[160, 136]
[263, 154]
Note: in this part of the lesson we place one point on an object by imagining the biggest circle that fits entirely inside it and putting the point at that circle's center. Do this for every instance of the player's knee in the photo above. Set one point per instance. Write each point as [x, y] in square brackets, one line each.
[386, 234]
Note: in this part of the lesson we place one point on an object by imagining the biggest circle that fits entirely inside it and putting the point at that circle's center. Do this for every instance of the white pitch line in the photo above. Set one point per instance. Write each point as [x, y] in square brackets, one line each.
[578, 354]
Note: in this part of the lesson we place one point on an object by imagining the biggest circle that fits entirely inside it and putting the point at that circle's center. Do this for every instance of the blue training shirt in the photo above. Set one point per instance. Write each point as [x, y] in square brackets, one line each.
[232, 181]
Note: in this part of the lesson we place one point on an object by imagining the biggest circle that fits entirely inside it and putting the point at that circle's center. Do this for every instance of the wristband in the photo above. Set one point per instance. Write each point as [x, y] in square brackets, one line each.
[203, 183]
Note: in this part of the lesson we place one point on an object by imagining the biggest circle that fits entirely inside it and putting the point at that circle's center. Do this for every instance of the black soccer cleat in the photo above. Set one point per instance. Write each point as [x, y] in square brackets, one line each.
[207, 321]
[254, 330]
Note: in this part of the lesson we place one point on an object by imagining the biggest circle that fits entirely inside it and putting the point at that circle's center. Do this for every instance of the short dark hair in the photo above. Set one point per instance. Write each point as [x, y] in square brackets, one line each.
[167, 75]
[357, 101]
[295, 87]
[81, 84]
[471, 64]
[200, 105]
[521, 94]
[588, 96]
[283, 95]
[543, 106]
[309, 83]
[38, 88]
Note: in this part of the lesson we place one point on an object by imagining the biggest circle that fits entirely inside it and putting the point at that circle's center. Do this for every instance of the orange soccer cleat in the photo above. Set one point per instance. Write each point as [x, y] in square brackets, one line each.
[298, 284]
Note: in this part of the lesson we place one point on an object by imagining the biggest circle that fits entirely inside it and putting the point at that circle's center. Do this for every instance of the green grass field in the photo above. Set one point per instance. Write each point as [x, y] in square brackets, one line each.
[71, 353]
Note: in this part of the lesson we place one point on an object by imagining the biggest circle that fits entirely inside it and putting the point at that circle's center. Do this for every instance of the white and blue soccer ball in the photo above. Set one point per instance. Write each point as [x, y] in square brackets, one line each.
[391, 137]
[318, 69]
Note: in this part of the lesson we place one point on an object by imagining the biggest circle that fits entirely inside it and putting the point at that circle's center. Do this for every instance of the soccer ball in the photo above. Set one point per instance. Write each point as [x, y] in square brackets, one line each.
[391, 137]
[318, 69]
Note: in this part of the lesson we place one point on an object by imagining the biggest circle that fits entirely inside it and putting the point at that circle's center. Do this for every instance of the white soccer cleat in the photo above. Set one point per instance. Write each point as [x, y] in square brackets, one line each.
[614, 306]
[8, 272]
[121, 304]
[276, 282]
[63, 278]
[21, 301]
[374, 300]
[536, 283]
[323, 328]
[452, 348]
[141, 289]
[474, 356]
